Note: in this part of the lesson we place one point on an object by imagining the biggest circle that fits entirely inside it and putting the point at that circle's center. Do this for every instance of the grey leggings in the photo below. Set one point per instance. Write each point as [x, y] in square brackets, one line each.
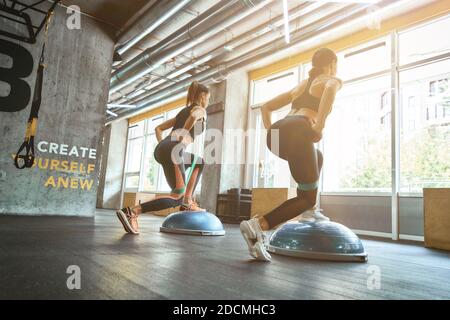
[163, 155]
[305, 162]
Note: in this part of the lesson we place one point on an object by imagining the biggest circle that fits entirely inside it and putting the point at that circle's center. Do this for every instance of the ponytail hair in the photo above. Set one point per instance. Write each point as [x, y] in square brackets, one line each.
[194, 91]
[314, 73]
[321, 58]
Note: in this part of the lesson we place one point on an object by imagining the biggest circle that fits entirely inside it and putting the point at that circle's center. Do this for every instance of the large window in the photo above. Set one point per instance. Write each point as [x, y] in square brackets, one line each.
[150, 166]
[357, 136]
[134, 155]
[424, 106]
[354, 63]
[388, 134]
[142, 172]
[357, 139]
[425, 41]
[356, 144]
[425, 127]
[268, 88]
[269, 171]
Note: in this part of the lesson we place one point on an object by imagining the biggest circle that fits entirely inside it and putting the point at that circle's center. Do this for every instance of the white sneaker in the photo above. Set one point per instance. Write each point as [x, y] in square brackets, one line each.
[254, 237]
[261, 252]
[313, 215]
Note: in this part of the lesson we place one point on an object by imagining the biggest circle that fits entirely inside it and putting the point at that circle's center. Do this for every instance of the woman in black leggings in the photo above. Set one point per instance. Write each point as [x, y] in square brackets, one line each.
[292, 139]
[170, 153]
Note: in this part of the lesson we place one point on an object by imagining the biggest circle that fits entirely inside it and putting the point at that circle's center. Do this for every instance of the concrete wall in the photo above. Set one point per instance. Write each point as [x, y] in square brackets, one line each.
[74, 96]
[113, 163]
[212, 172]
[235, 124]
[218, 178]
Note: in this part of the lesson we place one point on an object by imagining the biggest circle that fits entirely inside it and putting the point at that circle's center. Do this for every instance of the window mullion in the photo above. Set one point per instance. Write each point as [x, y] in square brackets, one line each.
[143, 150]
[395, 135]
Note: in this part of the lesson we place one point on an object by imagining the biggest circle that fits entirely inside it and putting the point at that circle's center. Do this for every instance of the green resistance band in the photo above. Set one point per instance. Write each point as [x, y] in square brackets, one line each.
[191, 169]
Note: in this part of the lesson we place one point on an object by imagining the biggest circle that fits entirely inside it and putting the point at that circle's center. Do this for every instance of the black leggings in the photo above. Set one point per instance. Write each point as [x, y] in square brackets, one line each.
[294, 144]
[182, 159]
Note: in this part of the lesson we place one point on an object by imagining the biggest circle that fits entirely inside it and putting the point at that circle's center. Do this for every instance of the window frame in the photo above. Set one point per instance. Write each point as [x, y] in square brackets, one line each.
[250, 169]
[430, 110]
[394, 100]
[127, 174]
[296, 70]
[145, 138]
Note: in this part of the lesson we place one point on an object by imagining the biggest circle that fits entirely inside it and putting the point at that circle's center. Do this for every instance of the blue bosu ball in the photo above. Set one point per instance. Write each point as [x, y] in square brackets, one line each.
[193, 222]
[322, 240]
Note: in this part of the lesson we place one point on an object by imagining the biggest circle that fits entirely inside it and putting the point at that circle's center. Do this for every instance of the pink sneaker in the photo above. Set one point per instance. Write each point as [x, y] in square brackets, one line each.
[191, 205]
[128, 218]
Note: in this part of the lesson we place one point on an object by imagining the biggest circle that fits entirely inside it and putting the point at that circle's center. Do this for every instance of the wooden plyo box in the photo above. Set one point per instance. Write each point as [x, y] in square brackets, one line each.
[129, 199]
[436, 202]
[266, 199]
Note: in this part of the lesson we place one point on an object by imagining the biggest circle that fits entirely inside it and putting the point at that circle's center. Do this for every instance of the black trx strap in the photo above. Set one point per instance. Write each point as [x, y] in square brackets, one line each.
[26, 160]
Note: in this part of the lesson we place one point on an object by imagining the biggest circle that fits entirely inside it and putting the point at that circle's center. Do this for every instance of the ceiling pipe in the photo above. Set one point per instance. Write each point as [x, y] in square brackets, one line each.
[115, 115]
[256, 35]
[298, 38]
[152, 58]
[218, 8]
[160, 53]
[187, 14]
[149, 62]
[329, 19]
[260, 52]
[112, 105]
[251, 35]
[146, 86]
[163, 12]
[324, 24]
[127, 31]
[221, 70]
[287, 30]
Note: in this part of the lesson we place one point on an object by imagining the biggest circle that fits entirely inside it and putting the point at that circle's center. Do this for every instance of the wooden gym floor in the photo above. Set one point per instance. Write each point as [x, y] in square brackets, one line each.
[36, 251]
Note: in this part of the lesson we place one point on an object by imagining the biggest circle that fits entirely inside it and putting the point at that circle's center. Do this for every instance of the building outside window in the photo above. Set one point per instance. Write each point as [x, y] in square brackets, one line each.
[425, 147]
[142, 172]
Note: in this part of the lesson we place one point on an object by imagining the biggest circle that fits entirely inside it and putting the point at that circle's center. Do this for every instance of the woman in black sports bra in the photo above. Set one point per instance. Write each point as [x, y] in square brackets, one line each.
[292, 139]
[170, 153]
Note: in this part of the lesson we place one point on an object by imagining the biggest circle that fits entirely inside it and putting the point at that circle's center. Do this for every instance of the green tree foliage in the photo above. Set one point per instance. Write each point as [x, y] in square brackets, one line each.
[425, 158]
[424, 162]
[374, 171]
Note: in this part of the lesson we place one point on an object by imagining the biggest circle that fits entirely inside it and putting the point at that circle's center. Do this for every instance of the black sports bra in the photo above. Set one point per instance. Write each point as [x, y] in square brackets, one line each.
[306, 100]
[180, 120]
